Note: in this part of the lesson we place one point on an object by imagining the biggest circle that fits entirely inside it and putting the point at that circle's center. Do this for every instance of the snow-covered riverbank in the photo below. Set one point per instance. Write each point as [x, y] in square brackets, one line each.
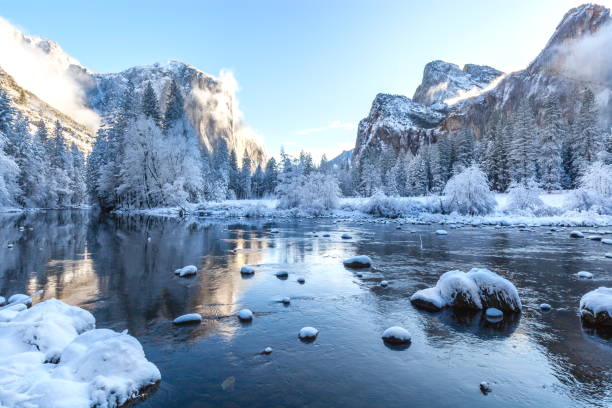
[402, 210]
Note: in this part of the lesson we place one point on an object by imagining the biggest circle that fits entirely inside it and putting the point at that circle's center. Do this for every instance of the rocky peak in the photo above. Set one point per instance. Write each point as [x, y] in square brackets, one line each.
[444, 80]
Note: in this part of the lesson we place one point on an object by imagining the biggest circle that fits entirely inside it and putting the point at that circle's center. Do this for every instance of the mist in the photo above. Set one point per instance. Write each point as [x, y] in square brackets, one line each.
[41, 67]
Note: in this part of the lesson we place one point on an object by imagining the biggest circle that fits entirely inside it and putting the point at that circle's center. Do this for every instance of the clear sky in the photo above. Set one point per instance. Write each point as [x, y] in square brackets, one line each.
[308, 70]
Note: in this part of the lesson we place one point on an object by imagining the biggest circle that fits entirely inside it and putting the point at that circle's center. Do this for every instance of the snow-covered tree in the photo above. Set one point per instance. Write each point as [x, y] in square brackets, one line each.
[496, 160]
[270, 176]
[150, 105]
[549, 154]
[522, 148]
[595, 192]
[315, 192]
[174, 107]
[468, 193]
[524, 196]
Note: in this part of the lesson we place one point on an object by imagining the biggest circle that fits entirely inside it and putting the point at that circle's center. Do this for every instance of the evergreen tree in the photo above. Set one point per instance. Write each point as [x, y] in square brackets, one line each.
[270, 176]
[587, 137]
[234, 175]
[175, 109]
[549, 155]
[245, 178]
[522, 153]
[7, 113]
[150, 105]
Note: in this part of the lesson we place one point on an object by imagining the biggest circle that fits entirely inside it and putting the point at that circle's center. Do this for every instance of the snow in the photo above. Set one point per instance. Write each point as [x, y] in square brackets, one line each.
[346, 236]
[301, 279]
[359, 261]
[267, 350]
[584, 275]
[606, 241]
[308, 333]
[186, 271]
[20, 298]
[476, 289]
[2, 300]
[384, 283]
[441, 232]
[53, 357]
[609, 255]
[576, 234]
[188, 318]
[596, 306]
[494, 313]
[396, 335]
[286, 300]
[245, 315]
[247, 270]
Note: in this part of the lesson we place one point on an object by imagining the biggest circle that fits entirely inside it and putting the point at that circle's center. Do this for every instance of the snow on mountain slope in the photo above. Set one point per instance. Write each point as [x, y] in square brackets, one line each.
[47, 73]
[343, 160]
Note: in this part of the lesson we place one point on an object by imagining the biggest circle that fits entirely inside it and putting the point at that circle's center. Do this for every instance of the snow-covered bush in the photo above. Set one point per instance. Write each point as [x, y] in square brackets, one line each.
[524, 197]
[314, 193]
[380, 205]
[595, 192]
[468, 193]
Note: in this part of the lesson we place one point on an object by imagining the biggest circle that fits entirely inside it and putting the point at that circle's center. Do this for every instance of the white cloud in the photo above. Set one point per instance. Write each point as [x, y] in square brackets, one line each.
[41, 67]
[333, 125]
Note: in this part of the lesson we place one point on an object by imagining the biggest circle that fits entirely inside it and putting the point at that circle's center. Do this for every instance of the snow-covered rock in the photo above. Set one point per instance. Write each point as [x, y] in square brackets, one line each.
[247, 270]
[494, 313]
[441, 232]
[188, 318]
[359, 261]
[485, 387]
[545, 307]
[267, 350]
[53, 357]
[346, 236]
[286, 300]
[308, 333]
[301, 279]
[584, 275]
[384, 283]
[20, 298]
[188, 270]
[606, 241]
[2, 301]
[396, 335]
[245, 315]
[282, 274]
[609, 255]
[596, 307]
[477, 289]
[576, 234]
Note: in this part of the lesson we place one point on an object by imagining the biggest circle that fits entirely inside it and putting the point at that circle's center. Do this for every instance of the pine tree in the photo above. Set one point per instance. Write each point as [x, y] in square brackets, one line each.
[150, 105]
[245, 177]
[234, 175]
[586, 141]
[522, 152]
[549, 155]
[496, 163]
[175, 109]
[7, 113]
[270, 176]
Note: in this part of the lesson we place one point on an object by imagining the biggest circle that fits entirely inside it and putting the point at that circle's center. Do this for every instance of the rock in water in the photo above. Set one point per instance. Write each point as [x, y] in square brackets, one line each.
[606, 241]
[247, 270]
[346, 236]
[396, 335]
[267, 350]
[441, 232]
[596, 307]
[494, 313]
[301, 280]
[485, 387]
[359, 261]
[384, 283]
[186, 271]
[584, 275]
[308, 333]
[282, 274]
[188, 319]
[545, 307]
[245, 315]
[576, 234]
[286, 300]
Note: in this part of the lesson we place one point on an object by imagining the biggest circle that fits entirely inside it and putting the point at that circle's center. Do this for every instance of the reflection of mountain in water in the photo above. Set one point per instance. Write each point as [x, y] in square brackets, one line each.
[109, 266]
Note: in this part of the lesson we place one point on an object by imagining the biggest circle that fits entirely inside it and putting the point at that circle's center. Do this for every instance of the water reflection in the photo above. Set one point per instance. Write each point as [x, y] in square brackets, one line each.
[121, 269]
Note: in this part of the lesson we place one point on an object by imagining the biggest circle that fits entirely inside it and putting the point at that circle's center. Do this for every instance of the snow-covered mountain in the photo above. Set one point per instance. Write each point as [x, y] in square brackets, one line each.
[343, 160]
[449, 99]
[57, 86]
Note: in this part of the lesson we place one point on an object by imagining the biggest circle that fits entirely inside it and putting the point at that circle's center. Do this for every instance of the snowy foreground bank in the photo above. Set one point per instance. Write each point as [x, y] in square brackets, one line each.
[51, 355]
[401, 209]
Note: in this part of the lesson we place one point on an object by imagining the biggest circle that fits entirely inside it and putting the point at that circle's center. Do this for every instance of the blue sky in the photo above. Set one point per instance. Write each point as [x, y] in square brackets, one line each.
[308, 70]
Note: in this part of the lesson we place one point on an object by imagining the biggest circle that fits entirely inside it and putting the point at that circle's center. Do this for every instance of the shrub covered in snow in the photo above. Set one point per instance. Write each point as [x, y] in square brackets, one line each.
[315, 193]
[468, 193]
[380, 205]
[595, 192]
[477, 289]
[524, 197]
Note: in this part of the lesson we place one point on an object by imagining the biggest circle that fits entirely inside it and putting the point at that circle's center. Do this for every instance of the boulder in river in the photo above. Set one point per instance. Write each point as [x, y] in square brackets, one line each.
[359, 261]
[596, 307]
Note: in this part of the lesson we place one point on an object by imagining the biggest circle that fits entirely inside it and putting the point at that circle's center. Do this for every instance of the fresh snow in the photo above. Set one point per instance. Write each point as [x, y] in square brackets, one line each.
[20, 298]
[188, 318]
[245, 315]
[186, 271]
[359, 261]
[384, 283]
[441, 232]
[584, 275]
[397, 335]
[596, 306]
[606, 241]
[576, 234]
[52, 356]
[308, 333]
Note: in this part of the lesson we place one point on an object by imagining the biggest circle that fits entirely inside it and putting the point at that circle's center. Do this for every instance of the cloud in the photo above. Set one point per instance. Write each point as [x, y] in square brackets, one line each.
[42, 67]
[333, 125]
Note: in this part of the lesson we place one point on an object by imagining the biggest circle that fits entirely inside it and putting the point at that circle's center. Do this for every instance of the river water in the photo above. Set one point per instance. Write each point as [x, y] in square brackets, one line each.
[121, 270]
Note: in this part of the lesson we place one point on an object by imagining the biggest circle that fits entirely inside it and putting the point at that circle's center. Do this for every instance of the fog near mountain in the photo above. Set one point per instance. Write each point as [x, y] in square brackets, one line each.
[41, 67]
